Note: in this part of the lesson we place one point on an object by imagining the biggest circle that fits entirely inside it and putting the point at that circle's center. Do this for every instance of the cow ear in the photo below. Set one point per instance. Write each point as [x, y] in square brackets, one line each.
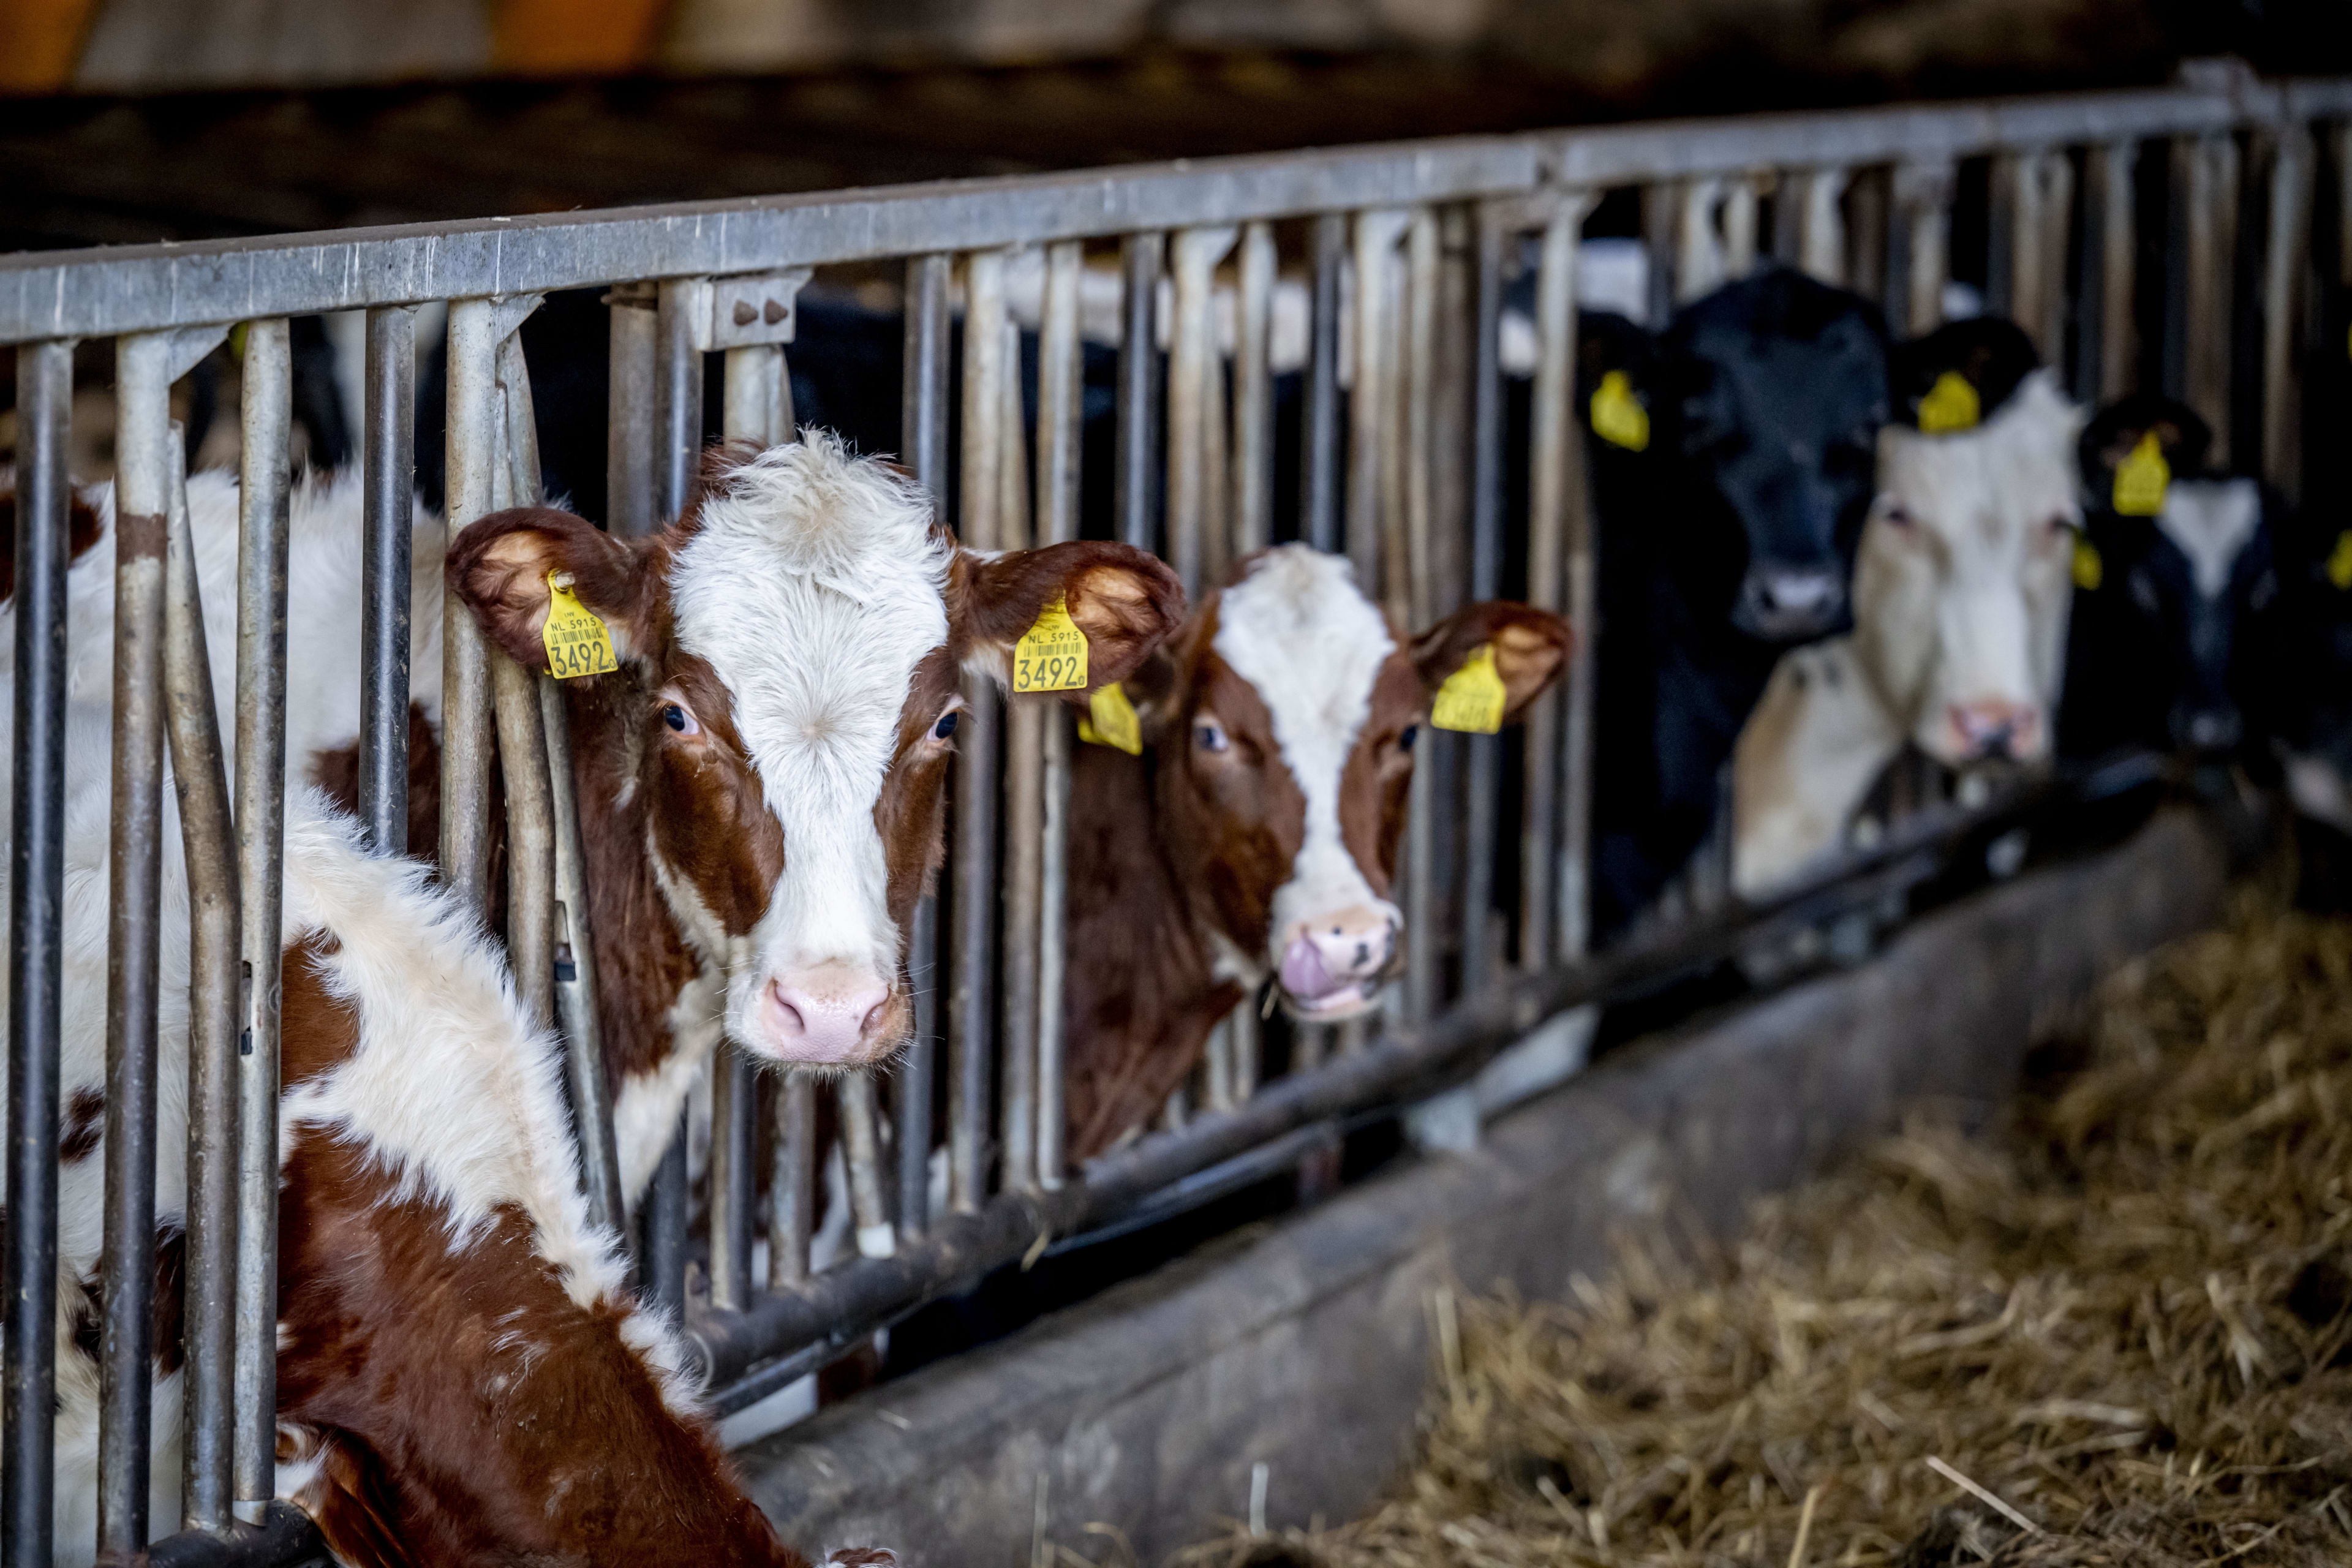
[501, 565]
[1122, 599]
[1531, 648]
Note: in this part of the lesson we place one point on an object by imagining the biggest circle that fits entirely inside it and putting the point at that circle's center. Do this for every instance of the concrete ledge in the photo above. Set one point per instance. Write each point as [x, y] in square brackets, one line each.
[1304, 1345]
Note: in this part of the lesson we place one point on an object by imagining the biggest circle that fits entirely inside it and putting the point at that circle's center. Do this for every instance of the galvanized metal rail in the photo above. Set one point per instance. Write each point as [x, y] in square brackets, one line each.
[1405, 253]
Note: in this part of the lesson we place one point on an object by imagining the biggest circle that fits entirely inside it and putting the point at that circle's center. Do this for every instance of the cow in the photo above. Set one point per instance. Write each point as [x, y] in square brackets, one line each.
[463, 1373]
[1251, 837]
[1960, 599]
[1729, 516]
[2174, 643]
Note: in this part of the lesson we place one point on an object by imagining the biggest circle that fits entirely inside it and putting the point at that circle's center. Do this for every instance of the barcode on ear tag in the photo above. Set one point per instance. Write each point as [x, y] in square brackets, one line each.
[2089, 570]
[1951, 406]
[1109, 720]
[1052, 655]
[2141, 480]
[1472, 697]
[577, 643]
[1618, 416]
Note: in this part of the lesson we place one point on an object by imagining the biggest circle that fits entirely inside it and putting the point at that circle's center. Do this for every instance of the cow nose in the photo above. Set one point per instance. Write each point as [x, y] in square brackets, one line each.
[1792, 601]
[825, 1015]
[1332, 965]
[2207, 729]
[1994, 729]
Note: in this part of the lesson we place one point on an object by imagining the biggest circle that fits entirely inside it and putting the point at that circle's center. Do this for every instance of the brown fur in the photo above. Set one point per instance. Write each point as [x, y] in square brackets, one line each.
[81, 533]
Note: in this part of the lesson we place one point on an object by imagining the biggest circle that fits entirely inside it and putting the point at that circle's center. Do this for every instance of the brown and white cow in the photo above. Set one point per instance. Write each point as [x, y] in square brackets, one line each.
[1962, 593]
[761, 778]
[1255, 838]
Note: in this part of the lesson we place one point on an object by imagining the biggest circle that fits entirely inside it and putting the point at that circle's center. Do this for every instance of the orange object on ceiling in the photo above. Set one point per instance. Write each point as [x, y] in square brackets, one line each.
[576, 37]
[40, 43]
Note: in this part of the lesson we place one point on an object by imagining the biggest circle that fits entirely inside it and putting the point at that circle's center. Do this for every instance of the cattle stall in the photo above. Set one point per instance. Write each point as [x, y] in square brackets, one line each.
[1408, 259]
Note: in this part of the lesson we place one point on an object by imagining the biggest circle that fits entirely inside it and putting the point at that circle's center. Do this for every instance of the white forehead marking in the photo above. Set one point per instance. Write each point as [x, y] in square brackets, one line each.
[1303, 634]
[2211, 521]
[1983, 492]
[812, 588]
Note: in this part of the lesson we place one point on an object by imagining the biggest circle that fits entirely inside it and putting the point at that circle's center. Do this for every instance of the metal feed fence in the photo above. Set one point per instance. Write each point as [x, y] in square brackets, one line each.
[1407, 254]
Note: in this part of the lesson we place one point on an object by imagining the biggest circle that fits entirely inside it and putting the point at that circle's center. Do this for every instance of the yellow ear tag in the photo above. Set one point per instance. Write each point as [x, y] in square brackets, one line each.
[1109, 720]
[2141, 480]
[1618, 416]
[2089, 570]
[2339, 564]
[1052, 655]
[1950, 405]
[1473, 696]
[577, 643]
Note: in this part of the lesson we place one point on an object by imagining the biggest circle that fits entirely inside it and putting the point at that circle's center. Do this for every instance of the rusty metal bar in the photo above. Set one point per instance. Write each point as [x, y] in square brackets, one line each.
[35, 951]
[1135, 490]
[263, 495]
[2286, 259]
[388, 460]
[208, 840]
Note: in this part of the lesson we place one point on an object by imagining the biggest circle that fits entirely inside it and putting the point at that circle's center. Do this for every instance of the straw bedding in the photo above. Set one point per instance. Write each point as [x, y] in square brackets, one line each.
[2113, 1329]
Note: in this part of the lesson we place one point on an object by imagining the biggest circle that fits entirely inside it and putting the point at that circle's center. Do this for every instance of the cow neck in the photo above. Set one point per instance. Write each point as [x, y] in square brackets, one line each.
[642, 958]
[1143, 994]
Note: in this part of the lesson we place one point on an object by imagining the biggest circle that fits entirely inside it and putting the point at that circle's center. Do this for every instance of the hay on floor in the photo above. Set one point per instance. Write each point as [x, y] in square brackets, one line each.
[2112, 1330]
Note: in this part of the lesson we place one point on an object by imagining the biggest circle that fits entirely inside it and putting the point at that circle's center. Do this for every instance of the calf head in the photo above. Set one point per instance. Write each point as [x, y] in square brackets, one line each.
[1282, 720]
[1963, 580]
[786, 691]
[1771, 392]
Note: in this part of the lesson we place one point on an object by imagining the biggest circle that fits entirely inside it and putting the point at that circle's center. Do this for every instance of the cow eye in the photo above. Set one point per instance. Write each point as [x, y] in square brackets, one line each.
[1406, 737]
[1210, 736]
[675, 716]
[946, 728]
[1897, 517]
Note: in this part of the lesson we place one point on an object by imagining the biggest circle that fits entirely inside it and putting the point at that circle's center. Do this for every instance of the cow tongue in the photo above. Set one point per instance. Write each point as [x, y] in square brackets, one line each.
[1304, 977]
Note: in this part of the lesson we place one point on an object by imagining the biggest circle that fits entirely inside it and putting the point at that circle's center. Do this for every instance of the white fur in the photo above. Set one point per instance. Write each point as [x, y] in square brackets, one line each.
[813, 588]
[1965, 602]
[2210, 521]
[1302, 634]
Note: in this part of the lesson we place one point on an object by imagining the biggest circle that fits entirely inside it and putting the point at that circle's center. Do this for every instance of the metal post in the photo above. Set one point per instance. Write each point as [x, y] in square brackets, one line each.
[1024, 821]
[1136, 492]
[1253, 510]
[662, 1265]
[1483, 769]
[1921, 237]
[791, 1187]
[472, 458]
[629, 506]
[1418, 438]
[1061, 417]
[1376, 235]
[2040, 203]
[679, 324]
[2117, 359]
[1820, 224]
[970, 1008]
[144, 454]
[208, 840]
[759, 396]
[1193, 360]
[731, 1174]
[388, 448]
[522, 748]
[861, 1146]
[35, 938]
[2287, 252]
[923, 441]
[575, 975]
[2212, 238]
[1319, 507]
[269, 385]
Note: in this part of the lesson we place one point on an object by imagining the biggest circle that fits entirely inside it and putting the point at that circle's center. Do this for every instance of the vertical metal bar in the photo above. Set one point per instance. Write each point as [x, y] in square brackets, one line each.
[861, 1143]
[923, 442]
[269, 387]
[1483, 769]
[1580, 556]
[2287, 250]
[680, 320]
[36, 940]
[473, 462]
[144, 453]
[662, 1265]
[791, 1187]
[1700, 267]
[1136, 492]
[971, 1010]
[629, 506]
[2055, 231]
[1192, 359]
[1376, 235]
[1024, 821]
[2119, 346]
[1319, 507]
[1253, 393]
[759, 402]
[1820, 224]
[1418, 437]
[2212, 238]
[1740, 198]
[1922, 231]
[730, 1173]
[2018, 197]
[575, 975]
[208, 840]
[1061, 414]
[522, 748]
[388, 460]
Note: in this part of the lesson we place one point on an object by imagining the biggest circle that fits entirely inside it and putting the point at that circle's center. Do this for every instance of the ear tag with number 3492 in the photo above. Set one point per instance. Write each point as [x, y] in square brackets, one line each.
[1472, 697]
[1052, 655]
[577, 643]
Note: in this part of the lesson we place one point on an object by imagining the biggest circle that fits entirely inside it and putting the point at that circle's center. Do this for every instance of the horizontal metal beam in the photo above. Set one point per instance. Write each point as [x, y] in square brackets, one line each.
[96, 292]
